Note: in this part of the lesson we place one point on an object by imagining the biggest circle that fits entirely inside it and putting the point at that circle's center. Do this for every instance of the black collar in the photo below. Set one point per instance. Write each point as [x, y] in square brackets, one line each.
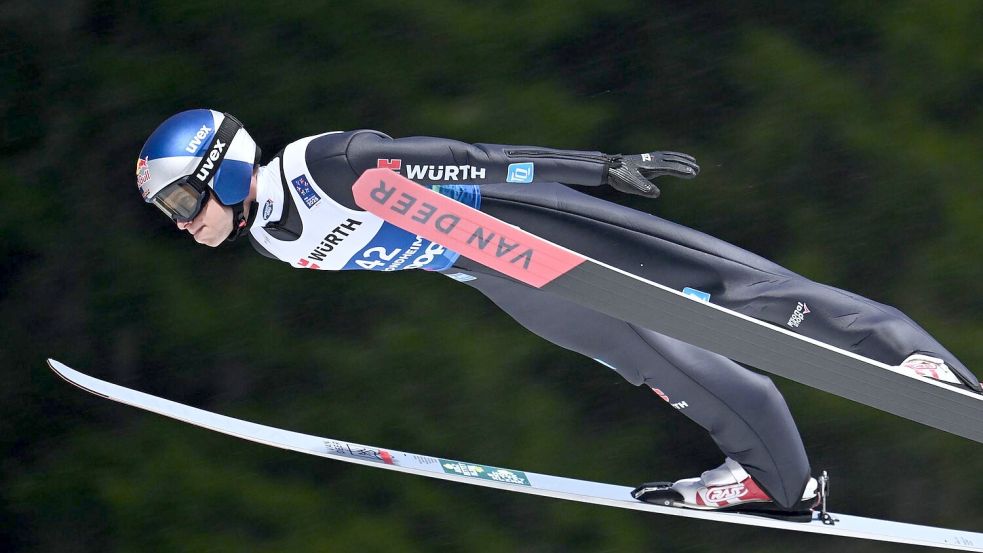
[290, 226]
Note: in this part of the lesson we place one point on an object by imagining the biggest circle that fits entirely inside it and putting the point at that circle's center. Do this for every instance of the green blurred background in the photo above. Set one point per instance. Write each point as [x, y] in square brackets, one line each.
[840, 139]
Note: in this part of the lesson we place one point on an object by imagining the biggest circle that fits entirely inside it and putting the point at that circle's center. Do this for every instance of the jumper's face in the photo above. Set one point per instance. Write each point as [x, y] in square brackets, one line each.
[212, 225]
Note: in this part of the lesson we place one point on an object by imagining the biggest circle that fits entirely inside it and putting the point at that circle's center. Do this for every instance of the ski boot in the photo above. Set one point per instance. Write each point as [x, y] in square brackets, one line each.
[727, 488]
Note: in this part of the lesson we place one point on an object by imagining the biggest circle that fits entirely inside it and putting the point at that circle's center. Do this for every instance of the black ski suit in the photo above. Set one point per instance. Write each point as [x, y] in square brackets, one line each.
[742, 410]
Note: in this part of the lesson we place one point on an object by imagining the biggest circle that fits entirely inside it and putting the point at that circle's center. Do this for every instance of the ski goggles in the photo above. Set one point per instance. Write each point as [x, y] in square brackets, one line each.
[183, 199]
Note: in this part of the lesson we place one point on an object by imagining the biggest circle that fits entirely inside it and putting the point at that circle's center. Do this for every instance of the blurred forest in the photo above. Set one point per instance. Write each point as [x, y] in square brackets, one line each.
[840, 139]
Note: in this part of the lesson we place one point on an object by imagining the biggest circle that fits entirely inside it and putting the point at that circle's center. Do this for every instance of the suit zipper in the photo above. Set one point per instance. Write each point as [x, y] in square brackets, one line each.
[552, 154]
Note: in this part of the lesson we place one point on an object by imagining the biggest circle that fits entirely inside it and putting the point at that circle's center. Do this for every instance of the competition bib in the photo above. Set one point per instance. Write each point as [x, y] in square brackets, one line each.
[335, 237]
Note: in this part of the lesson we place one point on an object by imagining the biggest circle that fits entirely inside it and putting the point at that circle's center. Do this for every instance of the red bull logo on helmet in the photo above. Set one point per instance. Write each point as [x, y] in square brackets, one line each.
[143, 173]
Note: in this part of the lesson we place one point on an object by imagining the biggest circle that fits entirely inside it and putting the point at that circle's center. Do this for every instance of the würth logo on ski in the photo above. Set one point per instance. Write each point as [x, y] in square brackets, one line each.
[475, 235]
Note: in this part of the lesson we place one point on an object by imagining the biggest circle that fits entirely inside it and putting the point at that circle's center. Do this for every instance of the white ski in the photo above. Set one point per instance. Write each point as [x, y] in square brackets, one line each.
[508, 479]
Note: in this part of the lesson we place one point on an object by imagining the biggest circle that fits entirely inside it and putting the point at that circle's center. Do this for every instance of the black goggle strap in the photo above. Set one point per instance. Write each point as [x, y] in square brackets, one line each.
[215, 153]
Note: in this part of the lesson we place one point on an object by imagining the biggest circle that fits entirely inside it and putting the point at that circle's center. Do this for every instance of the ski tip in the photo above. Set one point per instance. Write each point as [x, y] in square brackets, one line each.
[74, 377]
[60, 369]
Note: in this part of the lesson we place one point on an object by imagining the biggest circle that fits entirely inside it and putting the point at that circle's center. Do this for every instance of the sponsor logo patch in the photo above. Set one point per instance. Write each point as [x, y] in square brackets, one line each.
[197, 139]
[520, 172]
[208, 166]
[799, 315]
[143, 173]
[306, 191]
[678, 405]
[444, 172]
[333, 238]
[484, 472]
[724, 493]
[391, 164]
[661, 394]
[267, 210]
[358, 451]
[434, 172]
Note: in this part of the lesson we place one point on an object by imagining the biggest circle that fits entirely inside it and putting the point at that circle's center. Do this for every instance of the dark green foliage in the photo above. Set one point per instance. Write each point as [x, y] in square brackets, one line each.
[840, 139]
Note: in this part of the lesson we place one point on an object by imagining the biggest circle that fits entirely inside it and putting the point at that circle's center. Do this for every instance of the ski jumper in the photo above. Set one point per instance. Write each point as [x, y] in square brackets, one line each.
[305, 216]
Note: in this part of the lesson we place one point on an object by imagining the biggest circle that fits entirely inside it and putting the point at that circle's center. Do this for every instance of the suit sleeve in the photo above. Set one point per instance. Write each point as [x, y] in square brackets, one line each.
[430, 161]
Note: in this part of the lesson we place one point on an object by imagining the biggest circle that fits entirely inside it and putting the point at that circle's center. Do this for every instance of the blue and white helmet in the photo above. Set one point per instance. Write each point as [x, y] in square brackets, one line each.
[193, 150]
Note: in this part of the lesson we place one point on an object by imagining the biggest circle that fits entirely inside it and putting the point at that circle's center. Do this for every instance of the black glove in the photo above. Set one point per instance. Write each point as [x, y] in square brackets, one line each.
[632, 174]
